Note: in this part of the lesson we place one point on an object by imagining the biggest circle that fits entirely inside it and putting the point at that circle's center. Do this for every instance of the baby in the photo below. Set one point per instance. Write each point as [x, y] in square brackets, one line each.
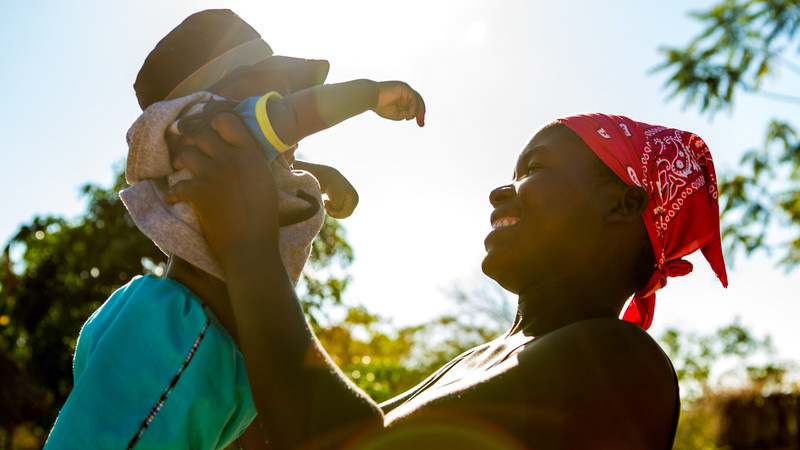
[157, 365]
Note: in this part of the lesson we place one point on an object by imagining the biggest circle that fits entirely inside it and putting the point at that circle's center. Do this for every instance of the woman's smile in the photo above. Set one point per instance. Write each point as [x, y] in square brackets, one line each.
[504, 222]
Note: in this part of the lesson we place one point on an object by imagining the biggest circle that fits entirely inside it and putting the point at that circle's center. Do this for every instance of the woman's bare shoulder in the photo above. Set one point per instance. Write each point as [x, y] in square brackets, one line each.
[608, 337]
[609, 351]
[611, 375]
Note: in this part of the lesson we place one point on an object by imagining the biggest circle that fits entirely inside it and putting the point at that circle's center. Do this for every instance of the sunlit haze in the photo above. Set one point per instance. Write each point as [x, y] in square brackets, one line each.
[491, 74]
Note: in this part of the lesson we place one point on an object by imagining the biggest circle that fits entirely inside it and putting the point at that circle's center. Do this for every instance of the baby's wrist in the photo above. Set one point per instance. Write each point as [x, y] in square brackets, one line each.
[376, 93]
[321, 172]
[253, 111]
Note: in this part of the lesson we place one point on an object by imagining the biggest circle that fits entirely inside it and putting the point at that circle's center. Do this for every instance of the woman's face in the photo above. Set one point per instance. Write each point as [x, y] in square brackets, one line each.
[545, 223]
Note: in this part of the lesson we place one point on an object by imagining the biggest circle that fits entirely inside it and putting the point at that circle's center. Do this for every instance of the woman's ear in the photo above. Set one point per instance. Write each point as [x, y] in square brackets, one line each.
[630, 205]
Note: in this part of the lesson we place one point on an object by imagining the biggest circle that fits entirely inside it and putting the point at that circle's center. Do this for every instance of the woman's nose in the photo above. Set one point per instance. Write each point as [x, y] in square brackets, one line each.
[501, 194]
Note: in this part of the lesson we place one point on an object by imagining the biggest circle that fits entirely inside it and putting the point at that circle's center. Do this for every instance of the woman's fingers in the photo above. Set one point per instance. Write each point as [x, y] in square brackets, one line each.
[182, 191]
[224, 144]
[225, 135]
[232, 190]
[207, 141]
[191, 158]
[233, 131]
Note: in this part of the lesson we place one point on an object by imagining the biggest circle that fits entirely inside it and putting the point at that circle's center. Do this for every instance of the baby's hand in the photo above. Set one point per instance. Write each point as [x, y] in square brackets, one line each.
[397, 101]
[342, 196]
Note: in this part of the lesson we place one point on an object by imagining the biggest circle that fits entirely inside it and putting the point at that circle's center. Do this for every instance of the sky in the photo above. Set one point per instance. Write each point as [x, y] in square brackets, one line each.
[491, 73]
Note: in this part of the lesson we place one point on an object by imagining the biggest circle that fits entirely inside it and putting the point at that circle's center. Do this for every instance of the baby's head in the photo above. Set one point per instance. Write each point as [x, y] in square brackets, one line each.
[216, 51]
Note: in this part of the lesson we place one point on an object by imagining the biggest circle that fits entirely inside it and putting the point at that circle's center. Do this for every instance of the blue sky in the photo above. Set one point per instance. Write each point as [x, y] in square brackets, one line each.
[492, 73]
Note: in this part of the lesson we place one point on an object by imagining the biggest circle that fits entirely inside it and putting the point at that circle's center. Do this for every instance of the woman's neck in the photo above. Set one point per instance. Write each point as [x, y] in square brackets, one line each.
[541, 311]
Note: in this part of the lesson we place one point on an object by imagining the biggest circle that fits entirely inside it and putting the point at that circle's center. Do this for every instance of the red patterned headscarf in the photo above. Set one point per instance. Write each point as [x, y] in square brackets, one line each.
[676, 170]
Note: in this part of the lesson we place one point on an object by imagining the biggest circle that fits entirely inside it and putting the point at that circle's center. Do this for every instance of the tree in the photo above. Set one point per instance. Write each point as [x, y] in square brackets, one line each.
[385, 360]
[743, 46]
[372, 353]
[320, 288]
[55, 272]
[716, 370]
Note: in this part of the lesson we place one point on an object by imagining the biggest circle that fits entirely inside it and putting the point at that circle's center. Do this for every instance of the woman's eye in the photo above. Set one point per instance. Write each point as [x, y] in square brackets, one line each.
[530, 170]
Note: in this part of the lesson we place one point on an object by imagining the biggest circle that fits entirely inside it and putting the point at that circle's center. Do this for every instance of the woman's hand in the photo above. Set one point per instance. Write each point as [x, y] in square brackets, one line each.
[232, 190]
[397, 101]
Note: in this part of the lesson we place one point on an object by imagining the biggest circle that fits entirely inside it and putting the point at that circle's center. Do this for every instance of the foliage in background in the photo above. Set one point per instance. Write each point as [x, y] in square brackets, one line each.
[386, 360]
[55, 274]
[716, 368]
[324, 280]
[743, 46]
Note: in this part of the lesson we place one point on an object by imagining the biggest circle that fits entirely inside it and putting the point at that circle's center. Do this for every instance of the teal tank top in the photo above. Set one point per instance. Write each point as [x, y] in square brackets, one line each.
[154, 369]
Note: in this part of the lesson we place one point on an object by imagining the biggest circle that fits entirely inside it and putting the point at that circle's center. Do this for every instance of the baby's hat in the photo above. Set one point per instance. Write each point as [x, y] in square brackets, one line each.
[210, 48]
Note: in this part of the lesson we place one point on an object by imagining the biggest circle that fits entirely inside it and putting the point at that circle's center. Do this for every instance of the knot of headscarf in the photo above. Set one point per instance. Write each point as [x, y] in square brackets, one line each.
[676, 170]
[675, 268]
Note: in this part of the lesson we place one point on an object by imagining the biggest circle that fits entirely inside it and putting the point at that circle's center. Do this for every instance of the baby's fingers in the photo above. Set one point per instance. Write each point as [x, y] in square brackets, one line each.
[341, 208]
[420, 111]
[337, 213]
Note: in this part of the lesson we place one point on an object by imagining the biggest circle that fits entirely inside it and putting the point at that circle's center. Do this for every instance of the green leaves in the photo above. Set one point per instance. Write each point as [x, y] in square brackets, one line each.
[722, 360]
[56, 273]
[767, 185]
[740, 46]
[385, 361]
[743, 44]
[713, 369]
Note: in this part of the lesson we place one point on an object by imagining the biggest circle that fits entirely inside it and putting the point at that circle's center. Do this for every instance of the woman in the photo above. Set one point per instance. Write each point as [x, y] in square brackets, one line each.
[601, 208]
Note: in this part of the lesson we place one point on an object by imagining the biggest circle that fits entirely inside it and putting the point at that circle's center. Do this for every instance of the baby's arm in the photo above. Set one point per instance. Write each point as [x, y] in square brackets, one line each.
[342, 196]
[282, 122]
[285, 121]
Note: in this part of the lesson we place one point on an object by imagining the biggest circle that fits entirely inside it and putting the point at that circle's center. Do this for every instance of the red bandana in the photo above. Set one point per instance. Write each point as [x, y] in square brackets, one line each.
[676, 170]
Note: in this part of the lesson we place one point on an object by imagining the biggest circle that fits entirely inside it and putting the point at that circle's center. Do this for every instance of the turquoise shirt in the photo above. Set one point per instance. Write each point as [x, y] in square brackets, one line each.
[154, 369]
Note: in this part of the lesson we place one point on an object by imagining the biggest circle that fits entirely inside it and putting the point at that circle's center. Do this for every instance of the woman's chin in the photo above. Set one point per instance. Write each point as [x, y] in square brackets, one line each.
[487, 267]
[493, 268]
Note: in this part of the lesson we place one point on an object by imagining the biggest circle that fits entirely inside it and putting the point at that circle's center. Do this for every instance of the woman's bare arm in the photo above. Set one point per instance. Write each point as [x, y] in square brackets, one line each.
[299, 393]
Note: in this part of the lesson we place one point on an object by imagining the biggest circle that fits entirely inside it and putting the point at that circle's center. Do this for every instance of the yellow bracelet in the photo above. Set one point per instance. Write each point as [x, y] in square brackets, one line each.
[263, 122]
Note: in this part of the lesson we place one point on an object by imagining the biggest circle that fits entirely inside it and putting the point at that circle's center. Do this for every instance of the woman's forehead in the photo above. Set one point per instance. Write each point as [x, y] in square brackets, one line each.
[553, 138]
[558, 144]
